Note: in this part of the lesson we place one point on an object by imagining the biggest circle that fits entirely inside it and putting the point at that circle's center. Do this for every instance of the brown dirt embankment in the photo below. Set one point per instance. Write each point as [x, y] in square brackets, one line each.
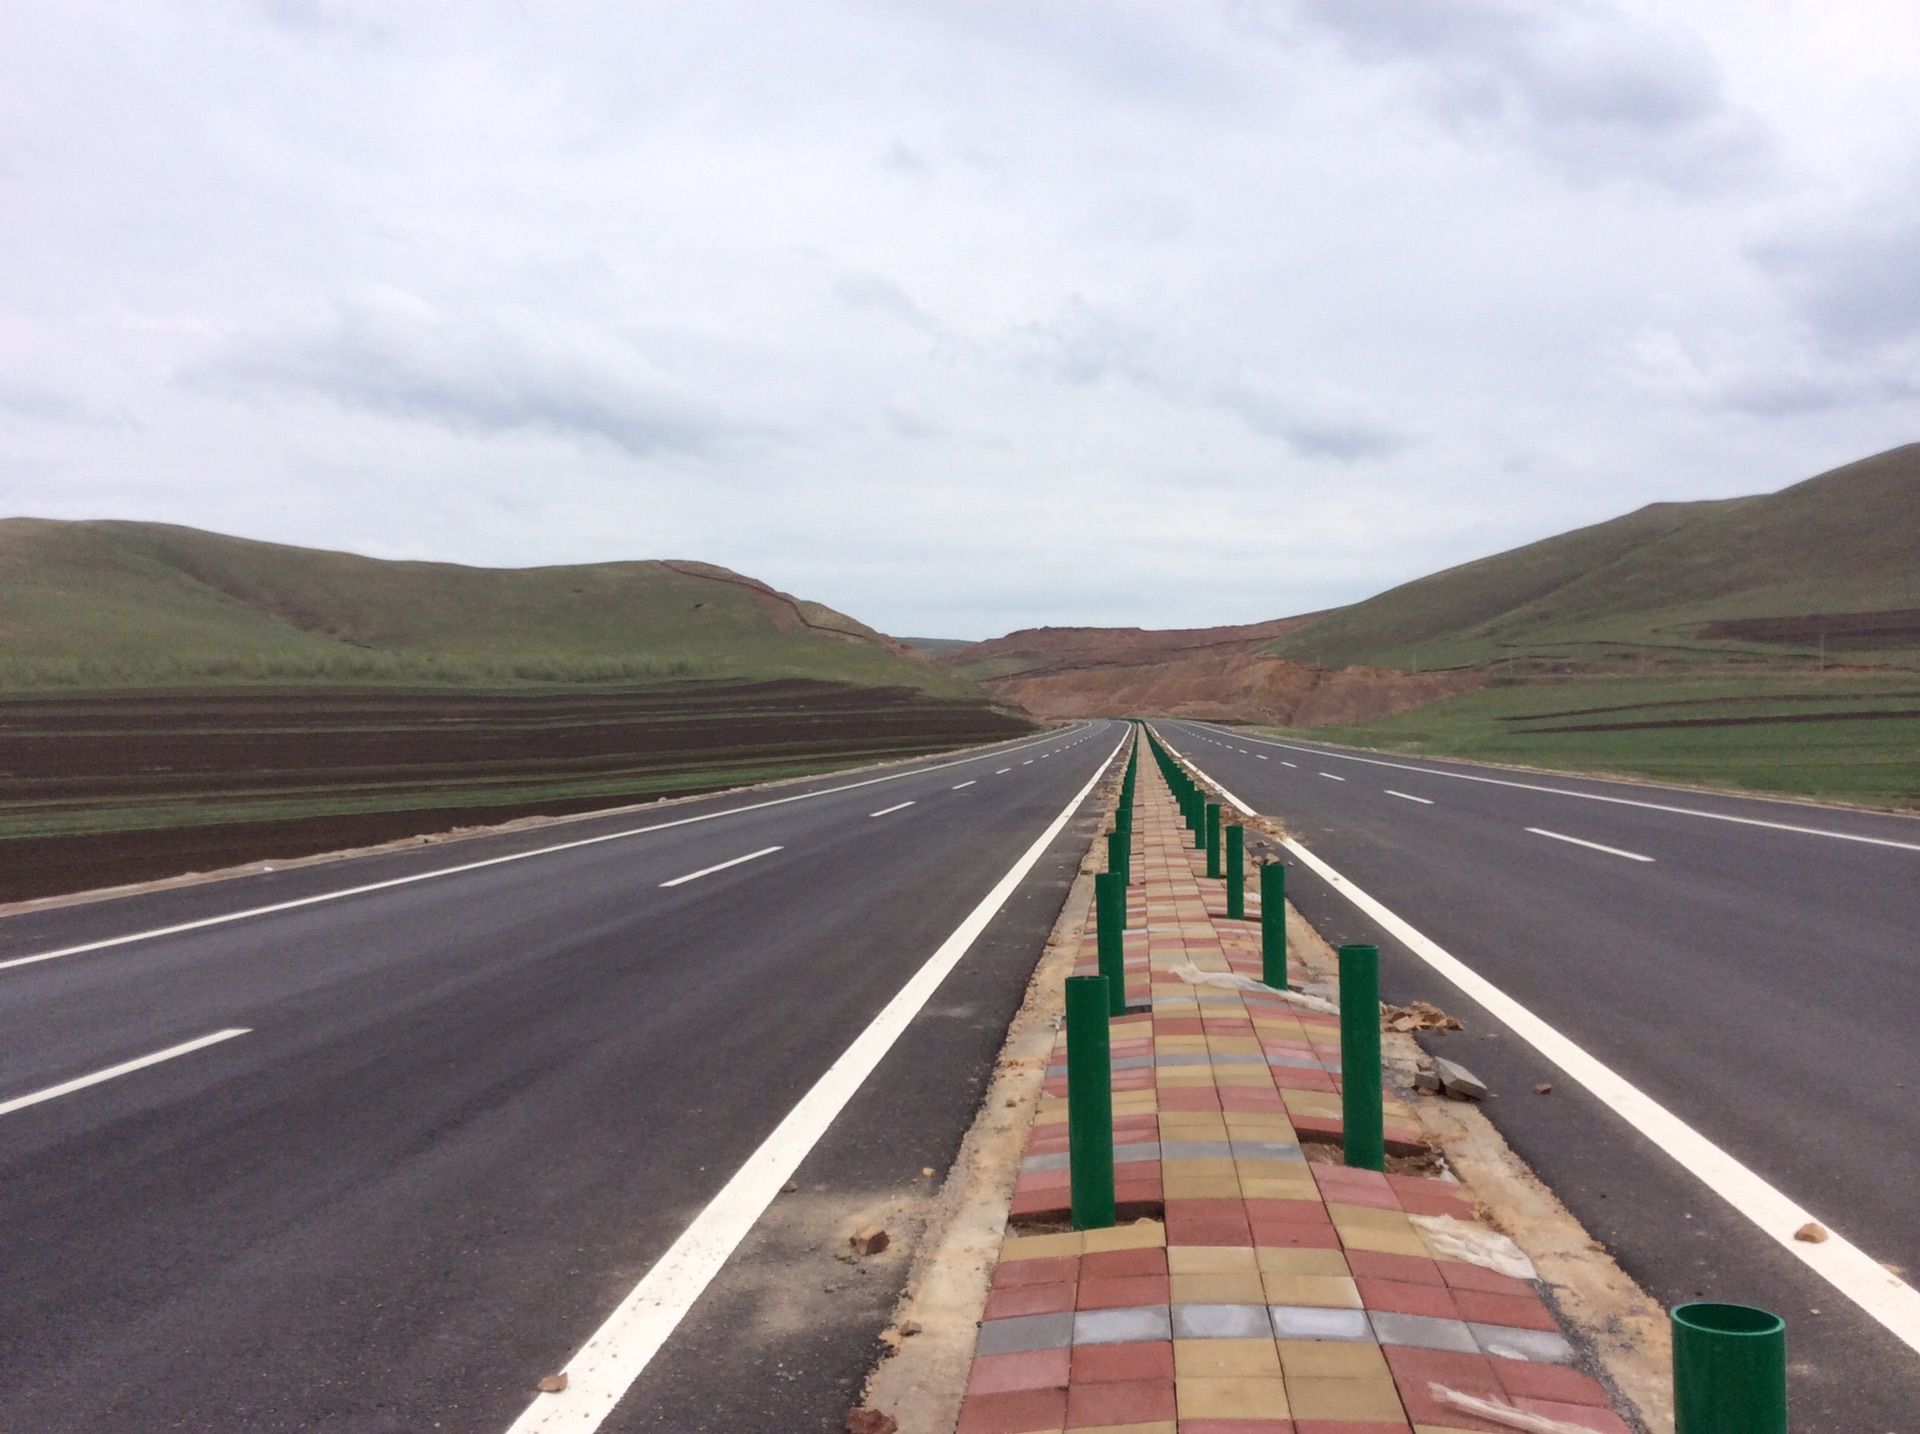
[1232, 685]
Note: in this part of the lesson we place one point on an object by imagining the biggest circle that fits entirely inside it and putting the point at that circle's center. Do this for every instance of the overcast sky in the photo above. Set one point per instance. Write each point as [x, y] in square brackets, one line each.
[958, 317]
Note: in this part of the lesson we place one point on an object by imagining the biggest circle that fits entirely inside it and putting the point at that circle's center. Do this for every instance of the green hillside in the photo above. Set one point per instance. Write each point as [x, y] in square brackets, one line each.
[113, 604]
[1832, 562]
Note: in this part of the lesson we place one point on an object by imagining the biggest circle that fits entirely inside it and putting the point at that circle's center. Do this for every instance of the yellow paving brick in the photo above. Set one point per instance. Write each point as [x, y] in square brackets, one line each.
[1199, 1166]
[1230, 1398]
[1250, 1120]
[1183, 1075]
[1188, 1125]
[1384, 1242]
[1234, 1045]
[1300, 1262]
[1242, 1075]
[1041, 1247]
[1331, 1359]
[1310, 1102]
[1235, 1289]
[1225, 1359]
[1202, 1187]
[1350, 1399]
[1221, 1260]
[1254, 1187]
[1321, 1291]
[1140, 1235]
[1368, 1216]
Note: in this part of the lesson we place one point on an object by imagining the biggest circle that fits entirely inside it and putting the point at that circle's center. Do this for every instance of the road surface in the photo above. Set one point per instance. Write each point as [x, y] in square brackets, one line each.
[384, 1154]
[1751, 966]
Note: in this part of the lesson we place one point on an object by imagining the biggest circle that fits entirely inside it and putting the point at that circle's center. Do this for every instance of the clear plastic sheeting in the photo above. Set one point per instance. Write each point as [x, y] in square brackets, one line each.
[1496, 1412]
[1452, 1239]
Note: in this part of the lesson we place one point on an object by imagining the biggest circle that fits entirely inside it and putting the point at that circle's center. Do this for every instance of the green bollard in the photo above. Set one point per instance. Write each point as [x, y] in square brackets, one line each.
[1236, 873]
[1360, 1114]
[1729, 1370]
[1110, 917]
[1199, 821]
[1213, 840]
[1117, 854]
[1273, 925]
[1089, 1103]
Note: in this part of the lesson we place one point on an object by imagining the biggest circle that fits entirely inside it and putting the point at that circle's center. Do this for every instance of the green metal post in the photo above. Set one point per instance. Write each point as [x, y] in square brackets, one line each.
[1236, 873]
[1089, 1103]
[1117, 854]
[1273, 925]
[1110, 915]
[1360, 1114]
[1729, 1370]
[1213, 840]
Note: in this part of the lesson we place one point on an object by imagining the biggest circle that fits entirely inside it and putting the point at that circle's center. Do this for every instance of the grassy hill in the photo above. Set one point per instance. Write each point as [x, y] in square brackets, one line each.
[115, 604]
[1833, 561]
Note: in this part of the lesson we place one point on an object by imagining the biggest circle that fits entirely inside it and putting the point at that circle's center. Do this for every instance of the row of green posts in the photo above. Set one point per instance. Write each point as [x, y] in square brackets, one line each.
[1729, 1361]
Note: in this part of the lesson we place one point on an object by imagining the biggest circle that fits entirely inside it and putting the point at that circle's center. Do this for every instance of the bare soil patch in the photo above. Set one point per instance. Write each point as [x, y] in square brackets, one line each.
[123, 787]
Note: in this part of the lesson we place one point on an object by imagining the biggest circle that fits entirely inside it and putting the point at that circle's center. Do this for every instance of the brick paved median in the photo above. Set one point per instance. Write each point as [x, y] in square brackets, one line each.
[1254, 1285]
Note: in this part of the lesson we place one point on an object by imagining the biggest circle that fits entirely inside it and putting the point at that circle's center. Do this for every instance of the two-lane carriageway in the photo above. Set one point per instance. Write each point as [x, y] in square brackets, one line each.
[375, 1144]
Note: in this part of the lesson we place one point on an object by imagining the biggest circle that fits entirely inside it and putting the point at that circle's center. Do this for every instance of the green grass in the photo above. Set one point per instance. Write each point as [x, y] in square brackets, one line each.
[98, 605]
[1638, 589]
[1875, 762]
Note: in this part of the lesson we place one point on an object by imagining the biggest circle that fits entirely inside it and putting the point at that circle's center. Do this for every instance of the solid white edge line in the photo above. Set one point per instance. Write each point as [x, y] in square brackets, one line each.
[1408, 797]
[1845, 1266]
[21, 1102]
[615, 1355]
[722, 866]
[1590, 845]
[319, 897]
[1602, 797]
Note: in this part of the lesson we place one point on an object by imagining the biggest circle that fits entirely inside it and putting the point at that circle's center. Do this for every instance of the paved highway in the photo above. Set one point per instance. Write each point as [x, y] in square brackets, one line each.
[1750, 967]
[374, 1145]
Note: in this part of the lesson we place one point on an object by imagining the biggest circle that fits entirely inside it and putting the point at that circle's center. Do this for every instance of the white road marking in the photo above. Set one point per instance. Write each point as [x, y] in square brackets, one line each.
[21, 1102]
[615, 1355]
[1410, 797]
[1003, 771]
[1601, 797]
[896, 807]
[210, 921]
[1590, 845]
[1842, 1264]
[1285, 763]
[722, 866]
[962, 786]
[1027, 763]
[1261, 755]
[1331, 778]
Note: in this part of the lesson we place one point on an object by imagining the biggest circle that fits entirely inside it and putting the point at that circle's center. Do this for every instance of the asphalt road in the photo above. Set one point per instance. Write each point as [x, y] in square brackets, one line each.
[1758, 982]
[468, 1112]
